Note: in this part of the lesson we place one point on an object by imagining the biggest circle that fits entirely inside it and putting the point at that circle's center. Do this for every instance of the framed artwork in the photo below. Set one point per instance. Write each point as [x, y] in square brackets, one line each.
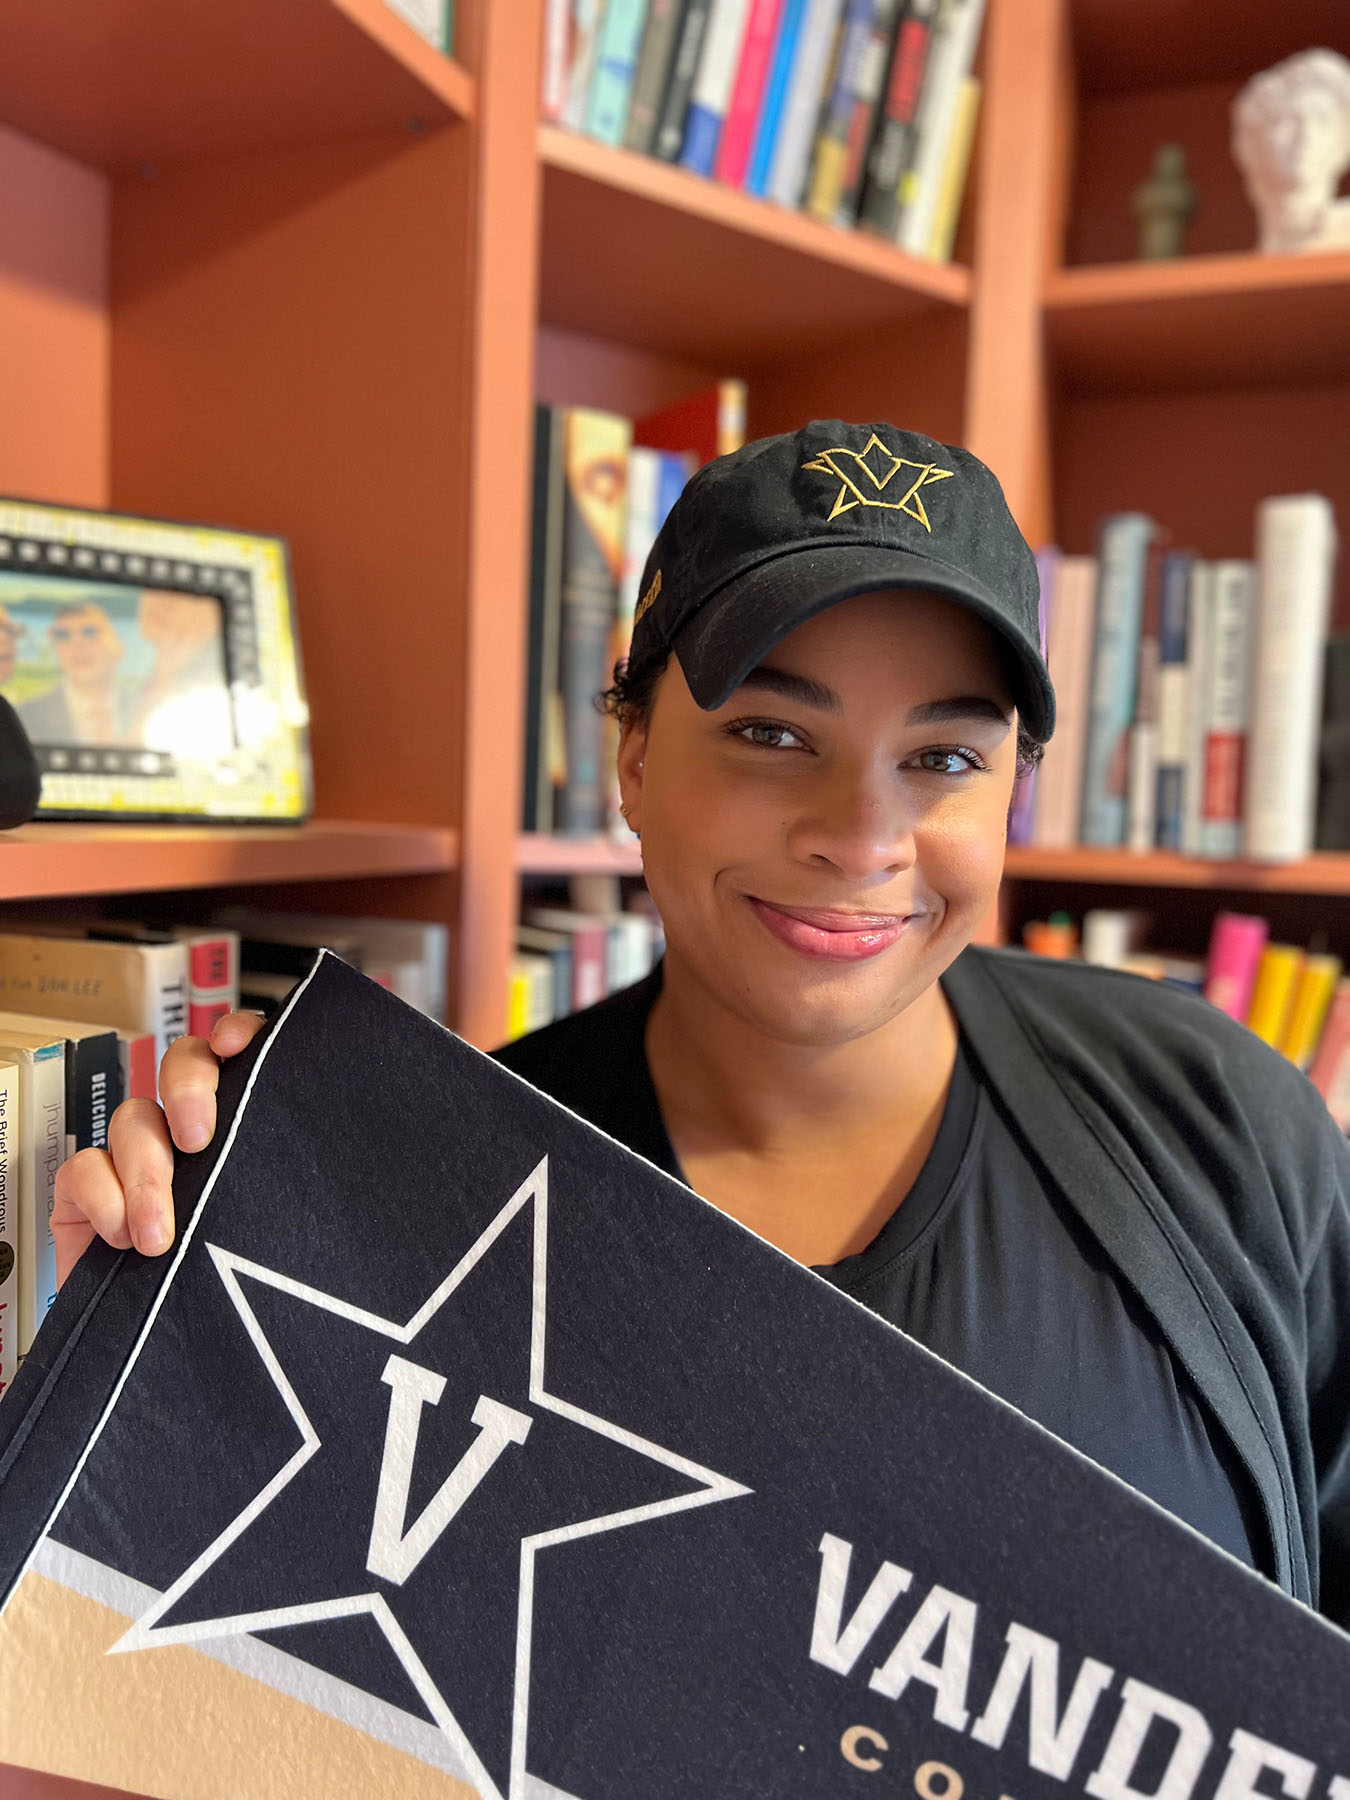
[154, 667]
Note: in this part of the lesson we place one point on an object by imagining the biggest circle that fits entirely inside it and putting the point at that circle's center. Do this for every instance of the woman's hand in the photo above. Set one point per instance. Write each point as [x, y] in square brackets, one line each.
[124, 1193]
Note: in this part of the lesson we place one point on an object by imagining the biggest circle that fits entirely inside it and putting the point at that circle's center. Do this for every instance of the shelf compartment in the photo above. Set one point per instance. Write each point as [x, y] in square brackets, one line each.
[44, 860]
[642, 253]
[142, 83]
[1325, 873]
[1202, 321]
[537, 853]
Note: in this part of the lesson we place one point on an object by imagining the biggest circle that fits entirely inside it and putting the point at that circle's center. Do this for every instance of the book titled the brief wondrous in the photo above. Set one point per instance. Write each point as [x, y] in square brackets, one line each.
[492, 1460]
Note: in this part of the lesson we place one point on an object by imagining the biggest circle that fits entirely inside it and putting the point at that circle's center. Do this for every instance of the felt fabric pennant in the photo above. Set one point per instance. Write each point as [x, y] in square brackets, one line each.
[454, 1449]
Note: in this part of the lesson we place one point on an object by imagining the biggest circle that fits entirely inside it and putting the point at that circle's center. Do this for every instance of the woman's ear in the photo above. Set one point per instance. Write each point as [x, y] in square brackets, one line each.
[632, 757]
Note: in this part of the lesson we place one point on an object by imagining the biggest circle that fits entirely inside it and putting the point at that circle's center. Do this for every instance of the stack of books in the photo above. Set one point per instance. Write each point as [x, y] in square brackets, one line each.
[88, 1008]
[860, 112]
[570, 956]
[1192, 704]
[603, 485]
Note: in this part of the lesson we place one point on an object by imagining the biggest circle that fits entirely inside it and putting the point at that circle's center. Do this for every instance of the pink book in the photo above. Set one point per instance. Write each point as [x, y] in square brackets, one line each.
[1235, 945]
[738, 132]
[1330, 1071]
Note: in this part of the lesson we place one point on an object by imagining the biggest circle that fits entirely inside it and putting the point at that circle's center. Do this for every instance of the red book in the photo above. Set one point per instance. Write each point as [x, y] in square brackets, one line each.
[709, 423]
[1330, 1071]
[738, 131]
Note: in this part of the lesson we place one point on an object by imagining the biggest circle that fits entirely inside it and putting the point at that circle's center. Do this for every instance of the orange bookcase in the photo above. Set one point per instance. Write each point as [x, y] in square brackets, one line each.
[284, 267]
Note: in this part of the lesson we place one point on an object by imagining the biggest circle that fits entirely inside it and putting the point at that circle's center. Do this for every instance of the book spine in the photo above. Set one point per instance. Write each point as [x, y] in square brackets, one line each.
[1236, 941]
[867, 101]
[951, 54]
[93, 1089]
[213, 978]
[556, 58]
[1141, 797]
[1173, 633]
[712, 85]
[1308, 1009]
[1197, 671]
[1273, 991]
[1333, 752]
[42, 1112]
[584, 45]
[9, 1222]
[955, 170]
[893, 142]
[792, 151]
[1022, 813]
[534, 650]
[1295, 552]
[786, 45]
[1330, 1070]
[136, 1063]
[829, 157]
[1059, 780]
[669, 137]
[1122, 550]
[596, 448]
[656, 59]
[747, 92]
[590, 965]
[616, 57]
[674, 472]
[1226, 709]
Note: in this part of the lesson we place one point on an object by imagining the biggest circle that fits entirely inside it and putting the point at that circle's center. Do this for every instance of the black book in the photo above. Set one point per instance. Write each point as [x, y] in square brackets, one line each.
[1333, 771]
[541, 671]
[669, 139]
[893, 136]
[656, 61]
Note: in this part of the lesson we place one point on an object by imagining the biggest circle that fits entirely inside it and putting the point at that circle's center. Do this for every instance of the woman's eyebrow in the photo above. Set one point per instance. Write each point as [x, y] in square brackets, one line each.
[961, 706]
[932, 712]
[793, 687]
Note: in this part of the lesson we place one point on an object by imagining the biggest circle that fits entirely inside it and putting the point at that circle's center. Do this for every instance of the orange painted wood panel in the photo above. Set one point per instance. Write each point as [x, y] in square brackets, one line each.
[1322, 874]
[43, 860]
[289, 355]
[648, 255]
[54, 333]
[539, 854]
[120, 83]
[1197, 321]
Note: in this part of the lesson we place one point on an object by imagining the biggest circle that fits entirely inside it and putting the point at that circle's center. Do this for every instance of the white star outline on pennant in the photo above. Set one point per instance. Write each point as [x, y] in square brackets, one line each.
[146, 1634]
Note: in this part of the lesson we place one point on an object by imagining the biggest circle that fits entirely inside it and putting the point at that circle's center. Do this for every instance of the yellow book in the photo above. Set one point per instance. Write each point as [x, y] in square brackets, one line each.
[518, 999]
[1313, 989]
[827, 178]
[1276, 974]
[955, 168]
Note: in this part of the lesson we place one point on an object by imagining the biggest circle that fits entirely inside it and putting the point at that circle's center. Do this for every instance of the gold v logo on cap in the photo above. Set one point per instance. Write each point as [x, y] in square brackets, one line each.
[866, 475]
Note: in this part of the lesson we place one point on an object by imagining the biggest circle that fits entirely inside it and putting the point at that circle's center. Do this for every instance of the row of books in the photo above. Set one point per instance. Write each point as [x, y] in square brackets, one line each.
[1193, 713]
[603, 485]
[87, 1009]
[1295, 998]
[862, 112]
[568, 957]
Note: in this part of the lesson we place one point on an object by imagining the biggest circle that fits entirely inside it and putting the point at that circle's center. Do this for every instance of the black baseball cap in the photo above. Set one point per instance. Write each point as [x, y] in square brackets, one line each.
[762, 540]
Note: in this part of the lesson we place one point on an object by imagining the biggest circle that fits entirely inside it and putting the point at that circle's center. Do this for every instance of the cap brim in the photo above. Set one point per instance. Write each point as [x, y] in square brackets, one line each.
[742, 622]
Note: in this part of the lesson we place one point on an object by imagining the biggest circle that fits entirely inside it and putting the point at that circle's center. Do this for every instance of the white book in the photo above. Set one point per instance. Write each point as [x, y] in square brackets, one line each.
[1295, 558]
[720, 56]
[553, 73]
[120, 984]
[950, 58]
[1197, 661]
[801, 107]
[587, 16]
[1142, 809]
[9, 1221]
[644, 483]
[1059, 779]
[430, 19]
[41, 1062]
[1227, 690]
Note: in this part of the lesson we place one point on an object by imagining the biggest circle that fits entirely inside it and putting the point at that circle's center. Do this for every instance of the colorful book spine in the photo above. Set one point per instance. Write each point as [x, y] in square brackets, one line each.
[1295, 554]
[587, 17]
[703, 425]
[1122, 552]
[1236, 941]
[776, 83]
[673, 471]
[556, 58]
[589, 938]
[712, 85]
[136, 1064]
[1313, 991]
[867, 102]
[656, 59]
[595, 458]
[829, 155]
[955, 172]
[1197, 669]
[543, 765]
[1273, 991]
[99, 981]
[41, 1064]
[9, 1221]
[747, 92]
[1227, 689]
[1142, 790]
[792, 150]
[684, 72]
[432, 20]
[1330, 1069]
[616, 57]
[951, 55]
[1059, 779]
[1173, 636]
[892, 151]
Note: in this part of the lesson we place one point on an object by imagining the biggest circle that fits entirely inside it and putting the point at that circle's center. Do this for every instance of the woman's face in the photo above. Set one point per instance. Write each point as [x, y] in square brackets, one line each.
[822, 847]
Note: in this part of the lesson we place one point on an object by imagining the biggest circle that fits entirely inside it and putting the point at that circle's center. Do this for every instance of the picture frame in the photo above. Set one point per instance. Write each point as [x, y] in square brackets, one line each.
[155, 667]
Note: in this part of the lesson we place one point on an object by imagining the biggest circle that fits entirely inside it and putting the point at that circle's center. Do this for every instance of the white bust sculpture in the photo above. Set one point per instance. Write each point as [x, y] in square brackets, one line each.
[1291, 139]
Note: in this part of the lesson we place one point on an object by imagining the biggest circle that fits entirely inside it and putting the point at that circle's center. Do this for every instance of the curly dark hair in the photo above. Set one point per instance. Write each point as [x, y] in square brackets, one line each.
[631, 698]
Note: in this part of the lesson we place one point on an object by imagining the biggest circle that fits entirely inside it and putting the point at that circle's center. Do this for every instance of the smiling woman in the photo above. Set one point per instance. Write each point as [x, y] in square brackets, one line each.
[1096, 1195]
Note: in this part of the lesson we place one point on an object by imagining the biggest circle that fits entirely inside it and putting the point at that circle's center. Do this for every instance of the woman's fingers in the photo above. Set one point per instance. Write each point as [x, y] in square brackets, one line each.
[88, 1202]
[142, 1157]
[189, 1074]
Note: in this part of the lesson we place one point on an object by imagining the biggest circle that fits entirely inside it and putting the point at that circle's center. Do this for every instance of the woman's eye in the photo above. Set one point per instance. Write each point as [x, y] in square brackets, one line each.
[948, 762]
[765, 735]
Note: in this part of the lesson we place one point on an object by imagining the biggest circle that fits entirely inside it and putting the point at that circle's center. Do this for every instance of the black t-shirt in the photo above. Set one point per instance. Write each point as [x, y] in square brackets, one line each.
[985, 1263]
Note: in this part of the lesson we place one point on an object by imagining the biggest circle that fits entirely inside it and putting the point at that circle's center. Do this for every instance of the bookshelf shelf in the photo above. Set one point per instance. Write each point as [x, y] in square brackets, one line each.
[645, 254]
[539, 854]
[1202, 321]
[1321, 874]
[41, 861]
[141, 83]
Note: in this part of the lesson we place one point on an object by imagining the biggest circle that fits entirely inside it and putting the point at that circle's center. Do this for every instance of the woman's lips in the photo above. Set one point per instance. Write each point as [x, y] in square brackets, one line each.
[837, 936]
